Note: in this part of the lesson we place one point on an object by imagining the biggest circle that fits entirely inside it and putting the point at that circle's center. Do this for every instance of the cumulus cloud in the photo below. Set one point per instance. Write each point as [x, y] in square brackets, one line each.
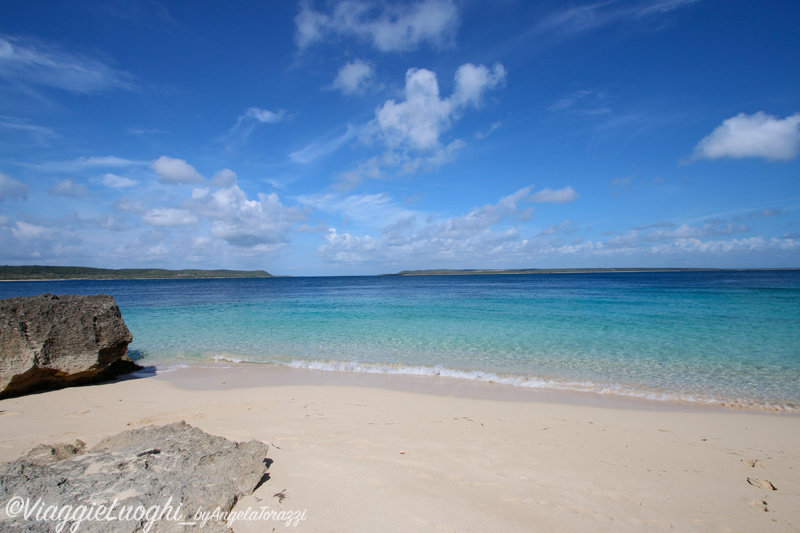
[37, 241]
[11, 188]
[411, 129]
[497, 230]
[172, 170]
[758, 135]
[224, 178]
[29, 62]
[480, 232]
[389, 28]
[68, 187]
[263, 223]
[346, 248]
[473, 81]
[418, 121]
[354, 78]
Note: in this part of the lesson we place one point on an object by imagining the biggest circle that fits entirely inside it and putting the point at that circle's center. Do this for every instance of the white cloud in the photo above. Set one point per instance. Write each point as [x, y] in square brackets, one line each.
[377, 167]
[39, 134]
[30, 242]
[346, 248]
[169, 217]
[372, 168]
[264, 115]
[224, 178]
[118, 182]
[172, 170]
[68, 187]
[567, 227]
[412, 128]
[253, 117]
[479, 233]
[418, 121]
[261, 224]
[560, 196]
[573, 20]
[427, 163]
[420, 118]
[752, 245]
[585, 103]
[370, 209]
[85, 163]
[317, 149]
[767, 213]
[667, 231]
[473, 81]
[309, 26]
[25, 61]
[354, 78]
[758, 135]
[389, 28]
[11, 188]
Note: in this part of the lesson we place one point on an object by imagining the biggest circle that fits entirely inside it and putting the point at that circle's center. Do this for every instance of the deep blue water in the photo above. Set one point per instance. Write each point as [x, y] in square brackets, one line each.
[720, 337]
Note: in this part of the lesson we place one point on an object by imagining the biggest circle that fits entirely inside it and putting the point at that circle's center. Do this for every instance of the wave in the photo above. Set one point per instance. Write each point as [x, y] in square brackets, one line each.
[533, 382]
[513, 380]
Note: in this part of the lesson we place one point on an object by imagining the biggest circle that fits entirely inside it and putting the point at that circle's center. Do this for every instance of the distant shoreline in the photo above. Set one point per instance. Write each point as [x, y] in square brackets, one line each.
[70, 273]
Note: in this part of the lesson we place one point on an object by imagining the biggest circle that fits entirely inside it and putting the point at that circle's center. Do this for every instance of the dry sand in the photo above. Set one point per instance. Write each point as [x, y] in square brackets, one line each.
[392, 453]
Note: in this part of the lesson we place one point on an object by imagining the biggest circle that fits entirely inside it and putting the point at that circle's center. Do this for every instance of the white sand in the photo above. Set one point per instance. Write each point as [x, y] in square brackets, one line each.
[390, 453]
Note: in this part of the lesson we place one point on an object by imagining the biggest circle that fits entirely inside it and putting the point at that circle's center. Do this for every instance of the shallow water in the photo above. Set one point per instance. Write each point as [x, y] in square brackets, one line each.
[712, 337]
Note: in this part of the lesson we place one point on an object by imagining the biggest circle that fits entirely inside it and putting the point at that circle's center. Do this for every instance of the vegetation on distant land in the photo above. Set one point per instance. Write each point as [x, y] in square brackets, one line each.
[33, 272]
[467, 272]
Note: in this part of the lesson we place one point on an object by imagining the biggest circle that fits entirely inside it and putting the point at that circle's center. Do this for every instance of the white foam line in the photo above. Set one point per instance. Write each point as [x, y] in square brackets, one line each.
[532, 382]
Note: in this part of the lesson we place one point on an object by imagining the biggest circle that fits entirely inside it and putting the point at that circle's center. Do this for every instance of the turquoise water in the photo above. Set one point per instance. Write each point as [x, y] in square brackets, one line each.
[711, 337]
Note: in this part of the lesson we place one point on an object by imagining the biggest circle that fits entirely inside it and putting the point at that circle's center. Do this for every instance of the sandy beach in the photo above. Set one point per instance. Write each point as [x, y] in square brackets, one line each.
[402, 453]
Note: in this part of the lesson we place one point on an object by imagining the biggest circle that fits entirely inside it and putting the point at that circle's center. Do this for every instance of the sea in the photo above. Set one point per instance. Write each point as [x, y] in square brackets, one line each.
[709, 337]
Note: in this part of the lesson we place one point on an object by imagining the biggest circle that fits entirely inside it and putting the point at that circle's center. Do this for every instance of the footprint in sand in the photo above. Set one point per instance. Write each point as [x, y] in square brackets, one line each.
[761, 483]
[141, 421]
[752, 463]
[759, 505]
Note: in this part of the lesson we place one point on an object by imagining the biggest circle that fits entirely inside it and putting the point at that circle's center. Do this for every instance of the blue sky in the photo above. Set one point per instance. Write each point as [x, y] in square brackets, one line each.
[352, 137]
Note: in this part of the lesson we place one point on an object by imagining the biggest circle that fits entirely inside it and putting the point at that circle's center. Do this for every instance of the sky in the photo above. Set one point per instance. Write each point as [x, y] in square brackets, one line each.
[357, 138]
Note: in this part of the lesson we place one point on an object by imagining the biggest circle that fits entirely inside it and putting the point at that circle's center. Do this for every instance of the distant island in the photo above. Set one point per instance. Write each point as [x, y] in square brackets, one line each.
[472, 272]
[40, 272]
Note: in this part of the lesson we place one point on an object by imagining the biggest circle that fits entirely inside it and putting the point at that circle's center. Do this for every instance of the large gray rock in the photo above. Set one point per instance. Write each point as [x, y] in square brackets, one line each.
[50, 341]
[176, 465]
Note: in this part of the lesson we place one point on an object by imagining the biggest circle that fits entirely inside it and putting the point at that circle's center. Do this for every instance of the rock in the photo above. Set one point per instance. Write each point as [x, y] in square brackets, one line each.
[50, 341]
[177, 467]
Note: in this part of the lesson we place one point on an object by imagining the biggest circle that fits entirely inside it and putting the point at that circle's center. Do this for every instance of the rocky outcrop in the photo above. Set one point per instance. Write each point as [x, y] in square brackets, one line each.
[50, 341]
[170, 471]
